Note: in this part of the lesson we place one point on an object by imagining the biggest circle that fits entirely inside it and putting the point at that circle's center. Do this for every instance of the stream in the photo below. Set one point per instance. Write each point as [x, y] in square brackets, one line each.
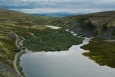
[70, 63]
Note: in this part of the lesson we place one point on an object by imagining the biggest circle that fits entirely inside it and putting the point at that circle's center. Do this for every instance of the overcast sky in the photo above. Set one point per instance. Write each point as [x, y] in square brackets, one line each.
[71, 6]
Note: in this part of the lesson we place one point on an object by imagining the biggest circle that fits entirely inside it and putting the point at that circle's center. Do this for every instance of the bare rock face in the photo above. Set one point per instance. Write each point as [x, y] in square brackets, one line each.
[100, 29]
[101, 25]
[12, 36]
[30, 33]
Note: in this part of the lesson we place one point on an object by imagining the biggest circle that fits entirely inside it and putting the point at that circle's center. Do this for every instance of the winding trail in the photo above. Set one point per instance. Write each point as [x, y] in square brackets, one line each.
[18, 43]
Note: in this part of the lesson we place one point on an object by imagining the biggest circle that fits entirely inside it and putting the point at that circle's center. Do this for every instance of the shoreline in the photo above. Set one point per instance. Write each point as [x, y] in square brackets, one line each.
[101, 52]
[75, 47]
[25, 50]
[19, 44]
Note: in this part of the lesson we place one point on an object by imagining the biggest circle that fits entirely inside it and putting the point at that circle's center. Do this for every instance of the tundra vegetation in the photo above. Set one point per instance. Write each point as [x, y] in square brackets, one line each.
[99, 25]
[101, 51]
[51, 40]
[38, 37]
[42, 38]
[20, 23]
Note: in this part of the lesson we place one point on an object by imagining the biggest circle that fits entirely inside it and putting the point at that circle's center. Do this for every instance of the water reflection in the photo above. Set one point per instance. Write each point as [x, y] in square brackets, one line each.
[70, 63]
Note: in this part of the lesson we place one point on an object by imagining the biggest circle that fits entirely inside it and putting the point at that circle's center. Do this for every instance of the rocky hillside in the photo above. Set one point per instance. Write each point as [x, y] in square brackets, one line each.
[101, 24]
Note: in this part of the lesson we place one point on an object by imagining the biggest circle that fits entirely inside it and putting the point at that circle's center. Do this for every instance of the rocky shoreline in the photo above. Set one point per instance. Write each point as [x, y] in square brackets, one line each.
[7, 71]
[16, 63]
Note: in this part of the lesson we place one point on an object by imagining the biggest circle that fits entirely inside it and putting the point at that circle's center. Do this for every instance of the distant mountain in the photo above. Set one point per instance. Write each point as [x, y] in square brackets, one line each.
[2, 9]
[57, 14]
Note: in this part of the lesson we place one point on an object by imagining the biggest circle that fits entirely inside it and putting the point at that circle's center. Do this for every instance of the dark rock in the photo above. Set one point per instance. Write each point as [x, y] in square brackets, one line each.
[16, 50]
[101, 24]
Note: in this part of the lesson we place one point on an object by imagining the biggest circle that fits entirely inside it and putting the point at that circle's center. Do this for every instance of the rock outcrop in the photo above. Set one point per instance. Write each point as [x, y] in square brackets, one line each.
[101, 25]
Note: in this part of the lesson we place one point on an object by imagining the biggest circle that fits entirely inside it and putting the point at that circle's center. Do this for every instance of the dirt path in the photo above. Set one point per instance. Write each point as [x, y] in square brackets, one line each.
[15, 66]
[19, 43]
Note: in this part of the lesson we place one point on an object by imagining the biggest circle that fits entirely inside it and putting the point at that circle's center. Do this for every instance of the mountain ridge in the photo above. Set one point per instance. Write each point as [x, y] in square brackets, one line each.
[101, 24]
[57, 14]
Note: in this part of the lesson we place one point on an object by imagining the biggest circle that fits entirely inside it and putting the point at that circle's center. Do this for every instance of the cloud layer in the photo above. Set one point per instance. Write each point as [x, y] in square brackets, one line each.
[73, 6]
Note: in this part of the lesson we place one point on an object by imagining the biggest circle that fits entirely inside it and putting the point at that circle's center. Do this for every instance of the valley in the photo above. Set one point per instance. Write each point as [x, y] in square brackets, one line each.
[38, 36]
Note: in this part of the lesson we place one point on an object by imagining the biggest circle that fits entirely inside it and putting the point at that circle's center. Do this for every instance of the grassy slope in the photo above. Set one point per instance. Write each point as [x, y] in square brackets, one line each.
[51, 40]
[1, 76]
[25, 25]
[99, 17]
[101, 25]
[17, 22]
[101, 52]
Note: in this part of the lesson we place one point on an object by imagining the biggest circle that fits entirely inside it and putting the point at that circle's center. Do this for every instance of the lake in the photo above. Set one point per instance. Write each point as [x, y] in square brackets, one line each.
[70, 63]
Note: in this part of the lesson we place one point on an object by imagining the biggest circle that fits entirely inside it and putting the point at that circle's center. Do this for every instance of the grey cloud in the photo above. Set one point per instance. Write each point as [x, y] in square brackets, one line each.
[68, 5]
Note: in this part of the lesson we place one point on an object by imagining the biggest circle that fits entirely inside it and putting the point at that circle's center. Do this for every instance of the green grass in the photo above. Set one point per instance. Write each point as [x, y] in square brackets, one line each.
[101, 52]
[51, 40]
[113, 33]
[1, 75]
[20, 69]
[22, 24]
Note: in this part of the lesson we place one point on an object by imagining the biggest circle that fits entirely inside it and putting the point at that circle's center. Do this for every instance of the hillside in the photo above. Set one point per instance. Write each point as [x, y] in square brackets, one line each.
[56, 14]
[101, 24]
[20, 23]
[38, 37]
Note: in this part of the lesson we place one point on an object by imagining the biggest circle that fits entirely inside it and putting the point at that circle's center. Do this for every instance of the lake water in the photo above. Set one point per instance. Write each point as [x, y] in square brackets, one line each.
[70, 63]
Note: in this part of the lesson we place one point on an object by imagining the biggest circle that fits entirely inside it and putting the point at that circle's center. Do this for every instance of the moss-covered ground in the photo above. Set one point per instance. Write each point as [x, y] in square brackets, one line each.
[19, 23]
[51, 40]
[25, 25]
[1, 76]
[102, 52]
